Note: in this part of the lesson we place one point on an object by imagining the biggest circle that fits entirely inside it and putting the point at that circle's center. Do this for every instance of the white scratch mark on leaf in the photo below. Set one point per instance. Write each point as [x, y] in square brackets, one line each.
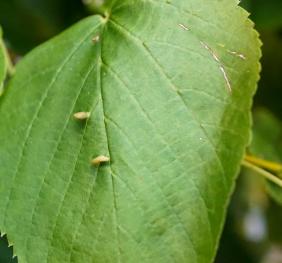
[184, 27]
[242, 56]
[226, 78]
[221, 67]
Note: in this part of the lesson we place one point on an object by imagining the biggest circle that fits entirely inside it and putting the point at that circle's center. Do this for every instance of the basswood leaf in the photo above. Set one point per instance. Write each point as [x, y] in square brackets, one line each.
[169, 86]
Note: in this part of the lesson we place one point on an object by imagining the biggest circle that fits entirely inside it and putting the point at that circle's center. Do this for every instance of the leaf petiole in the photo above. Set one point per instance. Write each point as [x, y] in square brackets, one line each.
[10, 69]
[272, 166]
[269, 176]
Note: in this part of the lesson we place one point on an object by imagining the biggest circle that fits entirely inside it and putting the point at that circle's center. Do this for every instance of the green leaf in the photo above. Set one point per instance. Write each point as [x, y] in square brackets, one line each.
[267, 144]
[157, 82]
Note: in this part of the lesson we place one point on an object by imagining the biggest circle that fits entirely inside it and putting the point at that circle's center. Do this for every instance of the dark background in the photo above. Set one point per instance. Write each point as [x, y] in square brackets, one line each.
[253, 230]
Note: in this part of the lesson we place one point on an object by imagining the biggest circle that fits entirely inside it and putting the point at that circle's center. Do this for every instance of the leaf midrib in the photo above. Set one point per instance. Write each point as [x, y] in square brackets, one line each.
[99, 84]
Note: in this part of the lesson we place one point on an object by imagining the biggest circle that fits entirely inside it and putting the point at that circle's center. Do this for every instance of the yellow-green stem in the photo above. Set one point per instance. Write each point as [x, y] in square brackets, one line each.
[274, 179]
[272, 166]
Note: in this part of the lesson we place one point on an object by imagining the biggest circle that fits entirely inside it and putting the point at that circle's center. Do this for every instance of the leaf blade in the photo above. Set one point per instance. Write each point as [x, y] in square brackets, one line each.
[155, 199]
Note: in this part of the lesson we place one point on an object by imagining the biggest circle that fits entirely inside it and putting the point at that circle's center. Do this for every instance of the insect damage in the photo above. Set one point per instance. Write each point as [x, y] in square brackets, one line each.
[81, 115]
[100, 159]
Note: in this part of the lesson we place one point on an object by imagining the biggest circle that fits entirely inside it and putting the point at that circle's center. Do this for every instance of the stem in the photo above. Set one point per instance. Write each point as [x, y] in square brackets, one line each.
[96, 7]
[272, 166]
[262, 172]
[9, 64]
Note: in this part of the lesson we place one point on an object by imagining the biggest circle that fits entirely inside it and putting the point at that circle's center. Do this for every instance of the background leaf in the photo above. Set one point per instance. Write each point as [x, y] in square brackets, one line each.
[28, 23]
[267, 136]
[266, 14]
[267, 144]
[6, 252]
[158, 89]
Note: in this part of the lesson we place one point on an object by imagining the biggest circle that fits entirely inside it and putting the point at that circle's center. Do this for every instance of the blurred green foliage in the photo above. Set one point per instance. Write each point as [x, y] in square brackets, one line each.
[267, 16]
[253, 230]
[27, 23]
[6, 253]
[267, 144]
[267, 136]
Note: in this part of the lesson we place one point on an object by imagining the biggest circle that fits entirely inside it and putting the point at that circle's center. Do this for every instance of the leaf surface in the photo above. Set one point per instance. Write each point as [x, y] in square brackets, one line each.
[169, 85]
